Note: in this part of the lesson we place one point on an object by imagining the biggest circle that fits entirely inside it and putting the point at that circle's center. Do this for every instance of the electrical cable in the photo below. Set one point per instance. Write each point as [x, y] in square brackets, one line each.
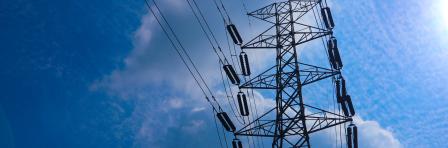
[232, 56]
[221, 61]
[320, 25]
[207, 29]
[210, 35]
[205, 21]
[225, 11]
[256, 110]
[184, 60]
[183, 49]
[225, 137]
[220, 12]
[217, 130]
[247, 12]
[185, 63]
[228, 99]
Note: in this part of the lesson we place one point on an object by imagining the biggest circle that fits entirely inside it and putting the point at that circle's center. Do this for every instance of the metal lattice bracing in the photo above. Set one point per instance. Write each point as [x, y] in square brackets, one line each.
[308, 74]
[286, 26]
[291, 121]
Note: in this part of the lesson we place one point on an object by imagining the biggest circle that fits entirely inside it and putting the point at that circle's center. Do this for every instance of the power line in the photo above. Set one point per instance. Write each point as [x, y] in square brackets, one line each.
[222, 12]
[179, 50]
[208, 32]
[188, 67]
[225, 11]
[217, 130]
[205, 27]
[183, 49]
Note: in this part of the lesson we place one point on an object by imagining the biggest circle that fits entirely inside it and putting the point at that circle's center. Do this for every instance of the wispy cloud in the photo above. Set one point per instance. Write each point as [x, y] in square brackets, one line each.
[393, 65]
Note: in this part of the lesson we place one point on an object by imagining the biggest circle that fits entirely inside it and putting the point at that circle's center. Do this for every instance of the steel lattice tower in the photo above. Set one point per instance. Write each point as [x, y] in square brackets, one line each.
[291, 122]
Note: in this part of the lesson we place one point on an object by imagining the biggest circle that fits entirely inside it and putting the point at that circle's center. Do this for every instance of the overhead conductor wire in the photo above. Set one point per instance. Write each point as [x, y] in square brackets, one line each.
[321, 24]
[226, 20]
[184, 60]
[211, 38]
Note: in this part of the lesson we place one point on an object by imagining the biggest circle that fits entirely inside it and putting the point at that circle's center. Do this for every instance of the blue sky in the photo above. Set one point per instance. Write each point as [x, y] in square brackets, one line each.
[95, 74]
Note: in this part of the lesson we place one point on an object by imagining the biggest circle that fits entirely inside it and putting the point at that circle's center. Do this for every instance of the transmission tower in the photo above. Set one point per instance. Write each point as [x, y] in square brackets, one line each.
[291, 122]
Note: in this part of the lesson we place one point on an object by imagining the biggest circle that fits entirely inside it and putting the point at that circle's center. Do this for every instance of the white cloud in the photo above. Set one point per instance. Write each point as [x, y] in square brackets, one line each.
[176, 103]
[193, 126]
[370, 135]
[124, 82]
[198, 109]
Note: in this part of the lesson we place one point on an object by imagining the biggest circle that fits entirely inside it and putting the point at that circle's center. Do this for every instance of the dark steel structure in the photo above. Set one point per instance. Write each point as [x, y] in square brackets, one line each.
[291, 122]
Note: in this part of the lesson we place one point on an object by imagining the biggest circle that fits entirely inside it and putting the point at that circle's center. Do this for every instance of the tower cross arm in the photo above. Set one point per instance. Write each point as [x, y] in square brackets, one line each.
[308, 74]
